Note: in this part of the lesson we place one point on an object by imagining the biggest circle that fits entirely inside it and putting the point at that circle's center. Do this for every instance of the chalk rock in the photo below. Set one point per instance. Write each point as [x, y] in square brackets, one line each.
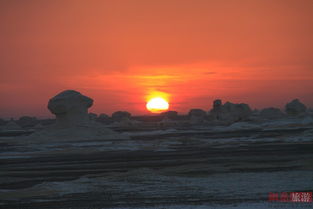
[2, 122]
[197, 116]
[27, 121]
[172, 115]
[126, 122]
[217, 104]
[72, 120]
[271, 113]
[12, 125]
[230, 112]
[70, 108]
[238, 126]
[167, 122]
[295, 108]
[103, 118]
[38, 126]
[120, 115]
[92, 116]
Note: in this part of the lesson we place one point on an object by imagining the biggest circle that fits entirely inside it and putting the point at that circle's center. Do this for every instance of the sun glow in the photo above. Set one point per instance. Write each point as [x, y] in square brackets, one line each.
[157, 105]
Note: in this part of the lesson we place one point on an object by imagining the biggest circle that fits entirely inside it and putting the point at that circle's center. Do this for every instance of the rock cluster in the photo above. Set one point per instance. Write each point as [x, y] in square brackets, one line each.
[230, 112]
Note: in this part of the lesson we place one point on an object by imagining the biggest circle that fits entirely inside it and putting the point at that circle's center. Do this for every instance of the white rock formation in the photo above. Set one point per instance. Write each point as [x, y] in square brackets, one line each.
[11, 126]
[70, 108]
[295, 108]
[230, 112]
[120, 115]
[197, 116]
[38, 126]
[243, 126]
[72, 120]
[167, 122]
[27, 121]
[126, 122]
[271, 113]
[103, 118]
[290, 122]
[122, 119]
[92, 116]
[172, 115]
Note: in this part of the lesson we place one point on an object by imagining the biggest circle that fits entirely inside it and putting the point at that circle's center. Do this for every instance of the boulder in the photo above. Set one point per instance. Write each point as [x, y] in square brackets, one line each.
[295, 108]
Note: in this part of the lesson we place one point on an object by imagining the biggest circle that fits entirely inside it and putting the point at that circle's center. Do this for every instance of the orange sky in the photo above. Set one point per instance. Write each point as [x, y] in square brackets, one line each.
[117, 52]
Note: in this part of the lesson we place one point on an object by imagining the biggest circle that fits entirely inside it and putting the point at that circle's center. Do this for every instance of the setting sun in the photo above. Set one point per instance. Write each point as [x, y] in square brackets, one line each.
[157, 104]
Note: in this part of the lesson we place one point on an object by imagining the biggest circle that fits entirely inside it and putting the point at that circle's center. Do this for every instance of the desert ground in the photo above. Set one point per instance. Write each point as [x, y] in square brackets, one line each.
[158, 169]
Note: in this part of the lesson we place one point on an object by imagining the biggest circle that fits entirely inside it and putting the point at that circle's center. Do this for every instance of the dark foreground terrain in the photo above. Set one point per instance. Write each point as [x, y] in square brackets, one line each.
[153, 170]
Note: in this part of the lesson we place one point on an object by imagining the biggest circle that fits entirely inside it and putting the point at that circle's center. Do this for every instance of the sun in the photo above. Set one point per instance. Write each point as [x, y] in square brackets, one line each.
[157, 105]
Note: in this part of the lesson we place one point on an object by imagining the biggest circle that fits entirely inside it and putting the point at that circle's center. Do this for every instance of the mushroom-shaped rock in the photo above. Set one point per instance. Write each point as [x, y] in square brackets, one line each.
[70, 108]
[120, 115]
[72, 120]
[271, 113]
[295, 108]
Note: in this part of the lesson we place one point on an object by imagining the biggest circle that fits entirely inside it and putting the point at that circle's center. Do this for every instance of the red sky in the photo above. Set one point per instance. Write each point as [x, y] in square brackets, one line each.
[117, 52]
